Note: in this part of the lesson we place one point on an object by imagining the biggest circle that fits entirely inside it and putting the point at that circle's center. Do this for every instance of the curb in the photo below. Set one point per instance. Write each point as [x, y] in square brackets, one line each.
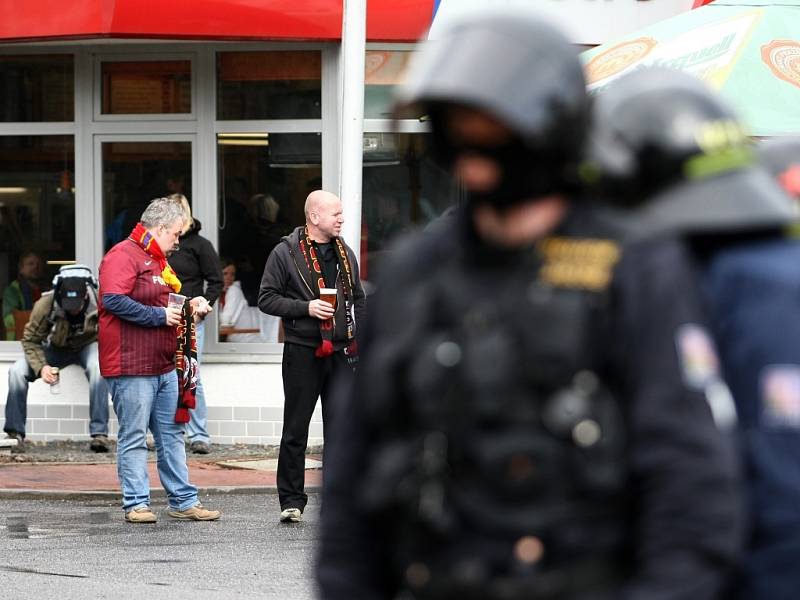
[34, 494]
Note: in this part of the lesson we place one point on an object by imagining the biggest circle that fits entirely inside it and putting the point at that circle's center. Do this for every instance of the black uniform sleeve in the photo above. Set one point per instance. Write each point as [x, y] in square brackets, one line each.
[355, 552]
[351, 558]
[687, 505]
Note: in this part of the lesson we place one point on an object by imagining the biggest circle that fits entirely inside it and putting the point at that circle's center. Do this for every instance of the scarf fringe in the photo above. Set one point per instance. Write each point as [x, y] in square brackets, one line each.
[324, 349]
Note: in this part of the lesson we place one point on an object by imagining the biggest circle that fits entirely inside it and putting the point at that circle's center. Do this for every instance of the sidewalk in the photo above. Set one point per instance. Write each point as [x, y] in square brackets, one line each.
[248, 474]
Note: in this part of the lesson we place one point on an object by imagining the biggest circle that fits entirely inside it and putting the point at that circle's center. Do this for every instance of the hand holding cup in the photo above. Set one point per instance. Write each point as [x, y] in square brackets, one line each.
[320, 309]
[173, 316]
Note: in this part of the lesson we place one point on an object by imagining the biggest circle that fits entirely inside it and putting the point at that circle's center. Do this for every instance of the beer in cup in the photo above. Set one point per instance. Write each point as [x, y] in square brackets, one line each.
[328, 295]
[176, 300]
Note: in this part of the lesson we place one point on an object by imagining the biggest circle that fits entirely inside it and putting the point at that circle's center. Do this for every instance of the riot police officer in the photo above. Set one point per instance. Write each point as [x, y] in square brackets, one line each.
[529, 420]
[680, 159]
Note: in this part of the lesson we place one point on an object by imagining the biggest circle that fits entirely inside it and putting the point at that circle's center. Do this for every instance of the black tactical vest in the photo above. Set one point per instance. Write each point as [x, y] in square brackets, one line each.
[501, 456]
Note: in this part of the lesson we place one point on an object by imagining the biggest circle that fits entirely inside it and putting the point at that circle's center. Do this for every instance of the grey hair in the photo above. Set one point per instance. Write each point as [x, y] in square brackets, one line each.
[162, 212]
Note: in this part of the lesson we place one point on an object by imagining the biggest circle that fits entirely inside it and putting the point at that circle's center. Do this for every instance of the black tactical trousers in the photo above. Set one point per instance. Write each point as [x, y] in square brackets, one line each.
[305, 378]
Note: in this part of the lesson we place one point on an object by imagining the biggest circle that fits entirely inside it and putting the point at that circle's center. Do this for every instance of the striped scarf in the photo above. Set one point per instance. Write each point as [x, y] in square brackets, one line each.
[186, 364]
[345, 283]
[147, 242]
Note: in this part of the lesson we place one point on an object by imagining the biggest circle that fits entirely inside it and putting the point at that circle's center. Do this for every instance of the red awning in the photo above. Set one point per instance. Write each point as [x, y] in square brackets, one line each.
[31, 20]
[398, 20]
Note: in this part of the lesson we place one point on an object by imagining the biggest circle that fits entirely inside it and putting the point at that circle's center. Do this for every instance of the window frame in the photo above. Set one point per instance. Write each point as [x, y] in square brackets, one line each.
[155, 56]
[225, 352]
[201, 127]
[394, 125]
[23, 50]
[12, 350]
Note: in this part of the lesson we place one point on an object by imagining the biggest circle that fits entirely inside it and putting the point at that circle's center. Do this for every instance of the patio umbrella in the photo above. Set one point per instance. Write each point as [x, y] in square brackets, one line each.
[748, 50]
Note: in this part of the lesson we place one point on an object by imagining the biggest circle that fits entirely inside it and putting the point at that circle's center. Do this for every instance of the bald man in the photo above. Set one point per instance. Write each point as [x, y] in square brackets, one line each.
[320, 335]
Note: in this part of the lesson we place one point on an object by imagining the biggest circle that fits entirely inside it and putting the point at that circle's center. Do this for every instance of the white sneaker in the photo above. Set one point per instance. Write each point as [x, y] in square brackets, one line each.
[291, 515]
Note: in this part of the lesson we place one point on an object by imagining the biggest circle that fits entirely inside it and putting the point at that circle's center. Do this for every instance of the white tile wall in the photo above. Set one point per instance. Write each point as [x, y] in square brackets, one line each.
[245, 406]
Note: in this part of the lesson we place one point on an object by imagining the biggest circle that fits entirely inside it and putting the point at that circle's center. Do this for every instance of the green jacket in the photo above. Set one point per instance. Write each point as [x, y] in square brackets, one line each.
[49, 327]
[13, 299]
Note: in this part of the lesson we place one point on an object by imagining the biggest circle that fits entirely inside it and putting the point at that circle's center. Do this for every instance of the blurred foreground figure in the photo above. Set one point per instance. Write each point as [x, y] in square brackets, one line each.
[676, 155]
[781, 158]
[525, 423]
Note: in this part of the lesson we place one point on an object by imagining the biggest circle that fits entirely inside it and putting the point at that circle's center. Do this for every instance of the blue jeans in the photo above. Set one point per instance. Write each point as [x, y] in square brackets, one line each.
[197, 427]
[20, 375]
[150, 401]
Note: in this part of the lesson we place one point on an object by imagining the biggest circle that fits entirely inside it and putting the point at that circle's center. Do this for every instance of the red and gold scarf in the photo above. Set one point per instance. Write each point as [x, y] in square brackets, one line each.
[186, 365]
[147, 242]
[186, 352]
[345, 283]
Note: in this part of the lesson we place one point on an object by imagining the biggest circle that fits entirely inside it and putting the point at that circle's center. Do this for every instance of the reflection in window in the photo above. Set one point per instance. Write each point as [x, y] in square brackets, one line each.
[37, 88]
[147, 87]
[37, 219]
[136, 172]
[384, 71]
[402, 189]
[239, 321]
[264, 179]
[269, 85]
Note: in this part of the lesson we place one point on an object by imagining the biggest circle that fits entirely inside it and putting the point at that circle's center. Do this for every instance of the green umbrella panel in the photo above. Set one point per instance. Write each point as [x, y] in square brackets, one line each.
[749, 50]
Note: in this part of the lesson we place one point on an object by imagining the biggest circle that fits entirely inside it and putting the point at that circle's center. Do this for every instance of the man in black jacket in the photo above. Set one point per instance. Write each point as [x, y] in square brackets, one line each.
[320, 338]
[530, 418]
[196, 264]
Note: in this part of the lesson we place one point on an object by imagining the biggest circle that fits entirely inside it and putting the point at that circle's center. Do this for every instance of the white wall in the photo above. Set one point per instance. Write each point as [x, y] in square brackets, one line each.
[245, 405]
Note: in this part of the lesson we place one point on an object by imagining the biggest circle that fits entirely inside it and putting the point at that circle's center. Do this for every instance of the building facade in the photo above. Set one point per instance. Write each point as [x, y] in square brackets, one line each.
[236, 106]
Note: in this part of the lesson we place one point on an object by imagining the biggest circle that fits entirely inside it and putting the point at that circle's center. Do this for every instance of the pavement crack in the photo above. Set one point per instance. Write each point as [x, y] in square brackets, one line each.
[37, 572]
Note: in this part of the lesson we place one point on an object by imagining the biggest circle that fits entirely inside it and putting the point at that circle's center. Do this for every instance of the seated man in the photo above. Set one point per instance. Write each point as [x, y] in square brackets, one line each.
[62, 330]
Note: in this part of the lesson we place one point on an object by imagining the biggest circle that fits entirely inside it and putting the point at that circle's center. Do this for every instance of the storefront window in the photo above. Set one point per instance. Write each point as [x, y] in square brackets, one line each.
[146, 87]
[136, 172]
[269, 85]
[37, 220]
[264, 179]
[36, 88]
[384, 71]
[403, 189]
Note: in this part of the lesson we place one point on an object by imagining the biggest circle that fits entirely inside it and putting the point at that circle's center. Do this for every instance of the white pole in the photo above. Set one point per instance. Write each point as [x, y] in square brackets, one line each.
[354, 34]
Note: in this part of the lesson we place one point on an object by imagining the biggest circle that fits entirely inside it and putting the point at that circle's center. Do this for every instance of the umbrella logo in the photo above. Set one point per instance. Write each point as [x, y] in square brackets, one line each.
[618, 58]
[783, 59]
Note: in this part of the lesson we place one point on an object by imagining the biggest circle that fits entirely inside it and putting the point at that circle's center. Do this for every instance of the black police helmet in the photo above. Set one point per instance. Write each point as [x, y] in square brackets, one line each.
[664, 142]
[781, 158]
[521, 71]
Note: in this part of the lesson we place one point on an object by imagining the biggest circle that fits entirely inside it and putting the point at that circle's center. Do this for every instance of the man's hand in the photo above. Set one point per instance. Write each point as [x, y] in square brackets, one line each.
[48, 376]
[173, 316]
[320, 309]
[200, 307]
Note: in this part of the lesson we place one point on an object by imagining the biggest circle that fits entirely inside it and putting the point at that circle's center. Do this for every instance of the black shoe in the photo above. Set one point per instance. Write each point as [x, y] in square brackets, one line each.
[20, 447]
[200, 448]
[100, 443]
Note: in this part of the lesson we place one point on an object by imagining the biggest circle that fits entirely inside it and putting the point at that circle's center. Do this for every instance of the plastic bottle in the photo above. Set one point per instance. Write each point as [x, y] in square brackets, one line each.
[55, 388]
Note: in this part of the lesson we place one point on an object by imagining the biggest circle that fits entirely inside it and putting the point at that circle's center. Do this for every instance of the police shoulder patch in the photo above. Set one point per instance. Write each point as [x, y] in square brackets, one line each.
[779, 389]
[698, 356]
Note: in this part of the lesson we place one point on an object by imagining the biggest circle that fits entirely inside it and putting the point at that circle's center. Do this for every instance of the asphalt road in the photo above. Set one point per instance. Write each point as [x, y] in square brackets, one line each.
[70, 549]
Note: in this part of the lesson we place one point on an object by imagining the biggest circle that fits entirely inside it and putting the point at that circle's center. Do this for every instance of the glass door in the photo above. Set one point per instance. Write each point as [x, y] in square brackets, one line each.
[131, 171]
